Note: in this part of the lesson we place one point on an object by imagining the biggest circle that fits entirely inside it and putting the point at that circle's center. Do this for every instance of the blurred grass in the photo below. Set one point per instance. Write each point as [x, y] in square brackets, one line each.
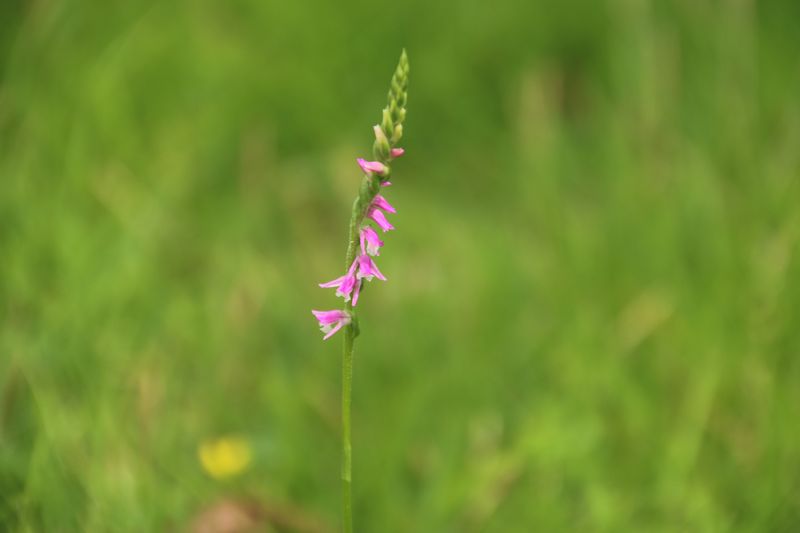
[591, 318]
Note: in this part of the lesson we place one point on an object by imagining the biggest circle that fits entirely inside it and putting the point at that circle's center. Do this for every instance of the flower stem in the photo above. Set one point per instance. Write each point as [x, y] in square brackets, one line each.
[347, 452]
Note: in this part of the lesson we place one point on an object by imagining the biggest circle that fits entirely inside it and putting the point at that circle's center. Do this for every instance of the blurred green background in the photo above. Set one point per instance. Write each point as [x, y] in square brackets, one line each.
[591, 318]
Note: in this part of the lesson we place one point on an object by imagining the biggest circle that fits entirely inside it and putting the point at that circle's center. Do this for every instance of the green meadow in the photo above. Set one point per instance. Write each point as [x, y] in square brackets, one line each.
[592, 314]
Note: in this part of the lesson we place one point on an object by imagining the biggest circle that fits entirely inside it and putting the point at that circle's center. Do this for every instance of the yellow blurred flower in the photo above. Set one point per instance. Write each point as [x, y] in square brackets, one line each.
[225, 457]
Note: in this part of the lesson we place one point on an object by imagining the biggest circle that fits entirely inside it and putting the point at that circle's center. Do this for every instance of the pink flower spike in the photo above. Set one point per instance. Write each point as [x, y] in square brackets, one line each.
[370, 242]
[331, 321]
[344, 284]
[380, 219]
[397, 152]
[367, 269]
[372, 167]
[380, 202]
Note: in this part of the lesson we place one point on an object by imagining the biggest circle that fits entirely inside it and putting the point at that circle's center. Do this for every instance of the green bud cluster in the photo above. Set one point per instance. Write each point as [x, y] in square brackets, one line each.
[394, 114]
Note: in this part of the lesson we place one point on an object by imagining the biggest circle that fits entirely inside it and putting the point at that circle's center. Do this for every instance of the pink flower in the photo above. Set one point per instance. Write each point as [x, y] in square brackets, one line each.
[372, 167]
[367, 269]
[374, 212]
[380, 219]
[331, 321]
[381, 203]
[386, 183]
[344, 284]
[370, 242]
[397, 152]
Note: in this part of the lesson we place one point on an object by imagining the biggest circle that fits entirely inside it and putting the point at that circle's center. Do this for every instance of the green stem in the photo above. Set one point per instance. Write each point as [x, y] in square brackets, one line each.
[347, 451]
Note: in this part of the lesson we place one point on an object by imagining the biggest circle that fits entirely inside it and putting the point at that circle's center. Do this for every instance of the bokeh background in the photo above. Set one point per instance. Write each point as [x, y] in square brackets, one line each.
[591, 318]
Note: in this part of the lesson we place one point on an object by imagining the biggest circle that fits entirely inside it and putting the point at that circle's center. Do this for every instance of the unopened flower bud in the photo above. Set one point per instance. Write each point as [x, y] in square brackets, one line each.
[398, 133]
[381, 147]
[386, 124]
